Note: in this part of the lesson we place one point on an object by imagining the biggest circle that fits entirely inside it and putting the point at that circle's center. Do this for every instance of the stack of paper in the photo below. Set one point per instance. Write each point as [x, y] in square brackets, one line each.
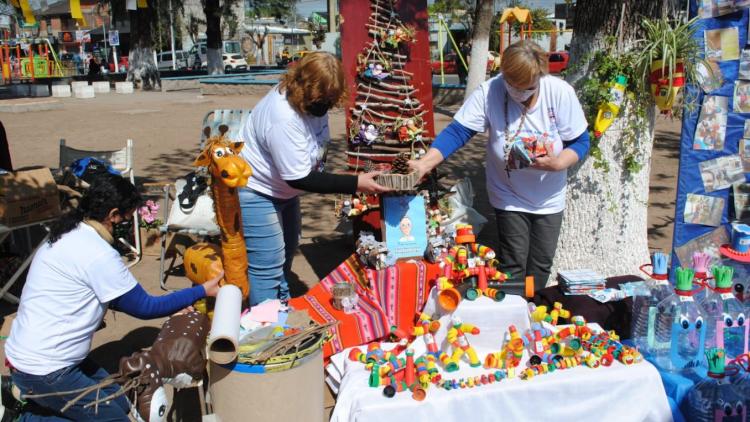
[581, 282]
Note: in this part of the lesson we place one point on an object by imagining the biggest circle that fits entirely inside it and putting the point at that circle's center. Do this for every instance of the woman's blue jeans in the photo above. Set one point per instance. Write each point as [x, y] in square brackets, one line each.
[85, 374]
[272, 230]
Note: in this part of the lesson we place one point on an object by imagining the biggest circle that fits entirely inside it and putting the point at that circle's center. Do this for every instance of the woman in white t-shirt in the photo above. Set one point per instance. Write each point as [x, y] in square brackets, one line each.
[285, 144]
[72, 281]
[537, 130]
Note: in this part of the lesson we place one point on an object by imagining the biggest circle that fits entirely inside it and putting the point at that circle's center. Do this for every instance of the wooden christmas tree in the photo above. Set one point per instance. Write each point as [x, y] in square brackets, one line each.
[387, 117]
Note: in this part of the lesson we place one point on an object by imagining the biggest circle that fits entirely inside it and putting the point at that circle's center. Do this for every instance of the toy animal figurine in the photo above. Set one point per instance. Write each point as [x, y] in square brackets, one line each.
[457, 338]
[177, 358]
[229, 172]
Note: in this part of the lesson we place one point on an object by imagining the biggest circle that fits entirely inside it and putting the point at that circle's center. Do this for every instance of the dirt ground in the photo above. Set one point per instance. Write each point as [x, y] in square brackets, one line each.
[166, 129]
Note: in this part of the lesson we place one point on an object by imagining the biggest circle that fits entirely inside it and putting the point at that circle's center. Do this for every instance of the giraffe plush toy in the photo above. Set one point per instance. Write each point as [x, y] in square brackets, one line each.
[229, 172]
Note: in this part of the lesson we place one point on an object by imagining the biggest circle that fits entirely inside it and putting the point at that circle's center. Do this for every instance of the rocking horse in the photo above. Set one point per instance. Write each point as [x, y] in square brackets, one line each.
[177, 358]
[229, 172]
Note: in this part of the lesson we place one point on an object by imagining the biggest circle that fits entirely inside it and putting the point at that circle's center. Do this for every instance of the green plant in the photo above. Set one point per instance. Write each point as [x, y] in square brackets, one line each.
[604, 65]
[669, 42]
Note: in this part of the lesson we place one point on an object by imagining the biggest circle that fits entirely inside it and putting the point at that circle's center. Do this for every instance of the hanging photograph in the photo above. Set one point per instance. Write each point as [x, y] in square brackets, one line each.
[721, 173]
[405, 225]
[741, 193]
[712, 124]
[746, 130]
[722, 44]
[708, 243]
[713, 8]
[709, 75]
[703, 209]
[745, 64]
[745, 154]
[741, 97]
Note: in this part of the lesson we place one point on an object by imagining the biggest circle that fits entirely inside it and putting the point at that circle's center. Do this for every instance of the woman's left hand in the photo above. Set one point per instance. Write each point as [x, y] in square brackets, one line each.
[548, 163]
[552, 162]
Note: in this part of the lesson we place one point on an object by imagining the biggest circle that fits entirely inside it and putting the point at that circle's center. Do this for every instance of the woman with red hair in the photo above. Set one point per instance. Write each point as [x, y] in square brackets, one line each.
[285, 144]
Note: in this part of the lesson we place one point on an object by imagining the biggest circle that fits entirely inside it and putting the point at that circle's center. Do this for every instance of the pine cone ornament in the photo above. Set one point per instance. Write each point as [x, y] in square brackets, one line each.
[401, 164]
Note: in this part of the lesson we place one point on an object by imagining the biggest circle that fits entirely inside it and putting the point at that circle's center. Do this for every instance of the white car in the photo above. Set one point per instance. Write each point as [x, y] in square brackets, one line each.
[234, 62]
[164, 60]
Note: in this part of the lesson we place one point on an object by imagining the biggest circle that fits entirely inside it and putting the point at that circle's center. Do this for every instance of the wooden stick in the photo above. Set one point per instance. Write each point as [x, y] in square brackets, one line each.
[363, 86]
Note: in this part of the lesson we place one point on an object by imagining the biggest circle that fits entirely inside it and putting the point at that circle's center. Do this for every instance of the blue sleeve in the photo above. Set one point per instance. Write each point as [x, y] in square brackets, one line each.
[580, 145]
[452, 138]
[137, 303]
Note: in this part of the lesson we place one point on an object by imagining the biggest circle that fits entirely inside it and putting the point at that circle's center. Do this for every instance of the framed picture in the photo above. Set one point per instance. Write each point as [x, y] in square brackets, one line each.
[404, 225]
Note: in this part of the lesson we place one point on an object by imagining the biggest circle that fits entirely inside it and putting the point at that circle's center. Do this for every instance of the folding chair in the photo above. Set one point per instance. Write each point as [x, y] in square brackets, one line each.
[234, 119]
[201, 222]
[122, 161]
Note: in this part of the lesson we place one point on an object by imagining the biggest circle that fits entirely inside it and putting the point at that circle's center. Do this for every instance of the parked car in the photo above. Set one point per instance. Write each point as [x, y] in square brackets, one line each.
[164, 60]
[558, 61]
[229, 49]
[234, 62]
[449, 63]
[122, 64]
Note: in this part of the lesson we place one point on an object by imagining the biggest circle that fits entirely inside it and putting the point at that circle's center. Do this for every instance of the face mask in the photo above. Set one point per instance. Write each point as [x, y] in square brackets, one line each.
[318, 109]
[519, 95]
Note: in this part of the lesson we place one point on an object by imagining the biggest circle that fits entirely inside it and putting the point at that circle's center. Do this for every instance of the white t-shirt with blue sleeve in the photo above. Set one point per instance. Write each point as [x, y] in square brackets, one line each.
[69, 285]
[557, 116]
[281, 144]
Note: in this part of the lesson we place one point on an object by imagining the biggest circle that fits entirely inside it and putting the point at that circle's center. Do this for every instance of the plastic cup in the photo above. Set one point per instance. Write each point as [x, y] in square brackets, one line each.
[449, 299]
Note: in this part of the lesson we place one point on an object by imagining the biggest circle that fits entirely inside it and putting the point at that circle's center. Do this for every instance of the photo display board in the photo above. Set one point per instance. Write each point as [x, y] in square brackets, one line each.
[712, 184]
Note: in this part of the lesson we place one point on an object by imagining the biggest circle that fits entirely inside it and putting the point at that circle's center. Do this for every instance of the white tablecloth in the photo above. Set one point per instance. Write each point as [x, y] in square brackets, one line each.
[615, 393]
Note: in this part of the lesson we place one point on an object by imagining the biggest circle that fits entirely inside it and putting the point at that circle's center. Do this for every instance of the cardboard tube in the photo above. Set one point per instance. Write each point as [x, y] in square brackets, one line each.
[223, 342]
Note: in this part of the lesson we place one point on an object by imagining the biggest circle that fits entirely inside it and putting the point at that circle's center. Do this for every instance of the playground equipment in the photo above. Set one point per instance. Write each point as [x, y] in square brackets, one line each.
[28, 59]
[515, 14]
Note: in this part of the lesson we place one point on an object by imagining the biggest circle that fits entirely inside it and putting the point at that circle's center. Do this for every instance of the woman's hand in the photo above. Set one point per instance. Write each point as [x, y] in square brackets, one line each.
[366, 183]
[212, 286]
[548, 163]
[420, 166]
[552, 162]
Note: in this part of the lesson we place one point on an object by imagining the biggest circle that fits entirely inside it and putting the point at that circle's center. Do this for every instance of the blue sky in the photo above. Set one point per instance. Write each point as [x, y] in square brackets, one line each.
[306, 7]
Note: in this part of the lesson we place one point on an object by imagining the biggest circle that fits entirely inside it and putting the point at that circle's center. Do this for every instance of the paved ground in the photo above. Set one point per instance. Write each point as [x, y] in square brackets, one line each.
[165, 128]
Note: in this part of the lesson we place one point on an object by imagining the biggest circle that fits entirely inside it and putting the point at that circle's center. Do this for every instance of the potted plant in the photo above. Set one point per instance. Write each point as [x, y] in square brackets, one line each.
[668, 55]
[149, 226]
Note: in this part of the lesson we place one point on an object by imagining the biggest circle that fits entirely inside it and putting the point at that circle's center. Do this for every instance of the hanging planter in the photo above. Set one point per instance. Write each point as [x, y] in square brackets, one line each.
[666, 86]
[667, 56]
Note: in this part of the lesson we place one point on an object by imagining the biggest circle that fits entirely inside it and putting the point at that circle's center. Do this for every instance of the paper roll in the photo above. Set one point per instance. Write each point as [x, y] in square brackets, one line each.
[223, 342]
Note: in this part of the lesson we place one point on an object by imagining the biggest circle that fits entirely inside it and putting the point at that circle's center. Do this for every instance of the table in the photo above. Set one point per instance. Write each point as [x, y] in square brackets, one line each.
[617, 392]
[5, 231]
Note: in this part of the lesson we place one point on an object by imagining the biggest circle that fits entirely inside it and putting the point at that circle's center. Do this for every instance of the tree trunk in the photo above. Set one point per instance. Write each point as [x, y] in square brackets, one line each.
[142, 70]
[480, 45]
[212, 10]
[605, 224]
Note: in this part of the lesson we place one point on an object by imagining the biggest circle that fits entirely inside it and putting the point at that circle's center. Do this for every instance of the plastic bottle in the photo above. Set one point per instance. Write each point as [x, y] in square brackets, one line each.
[680, 327]
[643, 327]
[726, 326]
[609, 110]
[714, 398]
[741, 383]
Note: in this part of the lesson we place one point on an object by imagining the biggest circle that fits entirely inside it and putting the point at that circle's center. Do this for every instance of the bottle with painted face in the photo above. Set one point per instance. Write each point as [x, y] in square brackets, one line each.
[643, 327]
[726, 326]
[680, 327]
[716, 398]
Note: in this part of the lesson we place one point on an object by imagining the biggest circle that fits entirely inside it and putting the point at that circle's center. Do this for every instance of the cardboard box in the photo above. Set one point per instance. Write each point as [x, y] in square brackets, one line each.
[28, 195]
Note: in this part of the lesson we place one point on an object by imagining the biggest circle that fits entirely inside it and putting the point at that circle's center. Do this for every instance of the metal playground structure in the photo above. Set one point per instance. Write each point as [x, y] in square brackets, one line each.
[28, 59]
